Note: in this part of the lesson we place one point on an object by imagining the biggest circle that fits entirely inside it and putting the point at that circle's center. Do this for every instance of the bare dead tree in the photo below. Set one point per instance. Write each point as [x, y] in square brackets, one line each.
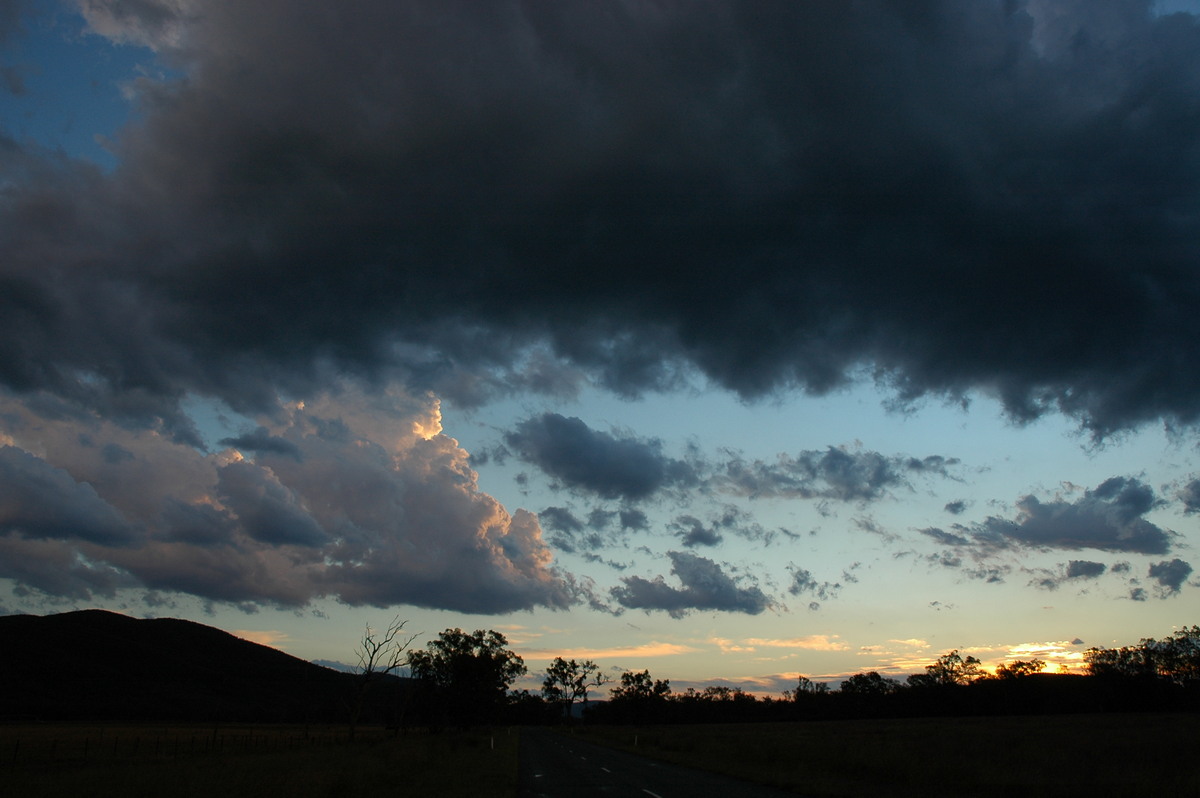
[379, 654]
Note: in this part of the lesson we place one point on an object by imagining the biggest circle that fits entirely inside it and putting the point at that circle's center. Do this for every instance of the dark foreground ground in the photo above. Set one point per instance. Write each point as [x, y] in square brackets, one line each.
[1091, 755]
[554, 765]
[1136, 754]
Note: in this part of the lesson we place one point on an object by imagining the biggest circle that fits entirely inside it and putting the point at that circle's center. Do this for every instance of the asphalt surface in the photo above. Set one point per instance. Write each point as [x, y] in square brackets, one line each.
[552, 765]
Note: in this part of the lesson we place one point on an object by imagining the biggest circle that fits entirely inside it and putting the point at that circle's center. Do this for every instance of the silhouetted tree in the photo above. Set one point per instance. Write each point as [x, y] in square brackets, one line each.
[524, 708]
[869, 684]
[1179, 656]
[639, 698]
[806, 688]
[568, 681]
[1128, 661]
[1019, 668]
[379, 654]
[1175, 658]
[468, 674]
[949, 670]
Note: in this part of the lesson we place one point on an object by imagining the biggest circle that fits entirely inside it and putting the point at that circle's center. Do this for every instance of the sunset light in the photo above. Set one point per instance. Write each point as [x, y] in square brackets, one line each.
[725, 344]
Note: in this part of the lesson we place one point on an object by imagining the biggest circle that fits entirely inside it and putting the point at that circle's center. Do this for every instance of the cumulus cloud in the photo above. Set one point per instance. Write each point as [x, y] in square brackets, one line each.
[804, 583]
[704, 585]
[1189, 495]
[606, 465]
[1084, 569]
[356, 497]
[1170, 575]
[693, 532]
[1108, 517]
[560, 519]
[1074, 570]
[729, 520]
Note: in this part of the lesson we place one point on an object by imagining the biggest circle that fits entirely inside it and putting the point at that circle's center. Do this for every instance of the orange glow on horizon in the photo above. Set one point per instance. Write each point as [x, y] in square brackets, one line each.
[264, 637]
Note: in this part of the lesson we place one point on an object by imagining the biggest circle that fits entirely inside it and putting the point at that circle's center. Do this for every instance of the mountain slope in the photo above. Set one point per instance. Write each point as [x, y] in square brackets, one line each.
[94, 664]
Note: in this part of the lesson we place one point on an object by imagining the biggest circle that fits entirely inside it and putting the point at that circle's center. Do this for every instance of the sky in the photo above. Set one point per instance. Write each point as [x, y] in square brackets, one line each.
[733, 341]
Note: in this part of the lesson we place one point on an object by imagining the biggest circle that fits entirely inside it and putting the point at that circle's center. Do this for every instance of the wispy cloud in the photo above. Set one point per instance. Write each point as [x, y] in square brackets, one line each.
[653, 649]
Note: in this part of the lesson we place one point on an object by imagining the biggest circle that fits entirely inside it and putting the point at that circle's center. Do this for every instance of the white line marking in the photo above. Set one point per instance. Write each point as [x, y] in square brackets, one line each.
[606, 770]
[654, 794]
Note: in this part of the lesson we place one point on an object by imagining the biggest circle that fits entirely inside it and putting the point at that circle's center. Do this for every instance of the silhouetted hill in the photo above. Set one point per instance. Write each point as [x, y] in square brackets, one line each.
[98, 665]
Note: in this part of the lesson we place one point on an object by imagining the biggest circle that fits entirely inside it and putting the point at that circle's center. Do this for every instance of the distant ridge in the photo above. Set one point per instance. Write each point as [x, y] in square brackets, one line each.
[100, 665]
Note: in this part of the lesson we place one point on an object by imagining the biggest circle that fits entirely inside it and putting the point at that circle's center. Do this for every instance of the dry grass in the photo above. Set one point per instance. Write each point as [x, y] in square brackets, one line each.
[1030, 756]
[235, 761]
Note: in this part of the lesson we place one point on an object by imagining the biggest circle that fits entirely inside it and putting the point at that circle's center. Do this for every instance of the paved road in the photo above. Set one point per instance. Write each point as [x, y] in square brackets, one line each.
[551, 765]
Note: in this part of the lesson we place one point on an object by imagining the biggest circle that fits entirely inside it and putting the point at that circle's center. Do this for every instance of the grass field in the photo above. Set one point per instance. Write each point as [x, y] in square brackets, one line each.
[234, 761]
[1096, 755]
[1099, 755]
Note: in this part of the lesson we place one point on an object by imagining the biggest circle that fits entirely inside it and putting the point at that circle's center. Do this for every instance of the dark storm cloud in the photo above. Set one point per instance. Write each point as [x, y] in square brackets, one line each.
[704, 586]
[10, 19]
[606, 465]
[261, 440]
[833, 473]
[634, 519]
[994, 196]
[39, 501]
[57, 570]
[268, 510]
[1108, 518]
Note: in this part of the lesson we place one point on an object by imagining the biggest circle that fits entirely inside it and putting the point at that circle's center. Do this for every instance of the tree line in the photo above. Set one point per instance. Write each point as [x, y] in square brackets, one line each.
[464, 679]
